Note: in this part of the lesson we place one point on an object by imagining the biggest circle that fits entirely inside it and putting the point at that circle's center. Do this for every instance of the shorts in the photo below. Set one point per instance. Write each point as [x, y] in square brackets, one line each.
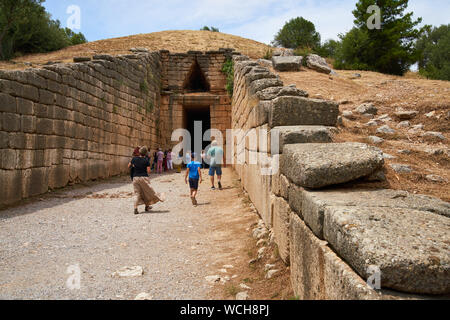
[215, 170]
[193, 183]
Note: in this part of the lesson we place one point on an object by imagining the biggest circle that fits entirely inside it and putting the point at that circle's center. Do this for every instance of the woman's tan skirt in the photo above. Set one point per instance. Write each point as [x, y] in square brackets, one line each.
[144, 193]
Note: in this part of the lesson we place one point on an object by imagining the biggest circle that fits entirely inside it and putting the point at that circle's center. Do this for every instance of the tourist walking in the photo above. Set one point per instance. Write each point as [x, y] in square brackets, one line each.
[215, 154]
[194, 174]
[203, 156]
[135, 154]
[160, 157]
[144, 193]
[169, 160]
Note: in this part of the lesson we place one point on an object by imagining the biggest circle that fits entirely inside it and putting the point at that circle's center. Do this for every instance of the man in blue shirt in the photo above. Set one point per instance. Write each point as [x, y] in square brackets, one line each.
[195, 177]
[215, 154]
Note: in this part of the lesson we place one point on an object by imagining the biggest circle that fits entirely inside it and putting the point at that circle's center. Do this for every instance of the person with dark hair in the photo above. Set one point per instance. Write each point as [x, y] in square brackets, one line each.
[135, 154]
[144, 193]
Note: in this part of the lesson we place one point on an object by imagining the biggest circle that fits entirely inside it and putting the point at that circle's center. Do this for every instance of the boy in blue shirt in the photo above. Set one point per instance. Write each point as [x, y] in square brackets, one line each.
[195, 177]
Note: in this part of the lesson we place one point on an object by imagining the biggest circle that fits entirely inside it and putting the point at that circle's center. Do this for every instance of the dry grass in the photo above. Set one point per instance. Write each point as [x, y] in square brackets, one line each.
[174, 41]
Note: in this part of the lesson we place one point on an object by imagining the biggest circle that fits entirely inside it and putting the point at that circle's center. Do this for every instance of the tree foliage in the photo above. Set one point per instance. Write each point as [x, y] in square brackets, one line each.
[434, 50]
[298, 32]
[390, 49]
[212, 29]
[25, 27]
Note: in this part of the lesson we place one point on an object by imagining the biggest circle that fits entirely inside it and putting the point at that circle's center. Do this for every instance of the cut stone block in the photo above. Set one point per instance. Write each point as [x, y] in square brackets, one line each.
[315, 165]
[304, 134]
[281, 216]
[292, 63]
[318, 273]
[409, 247]
[312, 203]
[293, 111]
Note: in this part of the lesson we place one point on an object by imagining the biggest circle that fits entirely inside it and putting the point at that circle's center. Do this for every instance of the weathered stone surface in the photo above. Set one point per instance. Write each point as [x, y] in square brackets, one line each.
[265, 63]
[311, 204]
[281, 216]
[434, 135]
[400, 168]
[261, 84]
[275, 92]
[304, 134]
[290, 111]
[385, 129]
[81, 59]
[375, 140]
[317, 273]
[319, 165]
[7, 103]
[287, 63]
[11, 186]
[406, 115]
[348, 115]
[367, 108]
[317, 63]
[409, 246]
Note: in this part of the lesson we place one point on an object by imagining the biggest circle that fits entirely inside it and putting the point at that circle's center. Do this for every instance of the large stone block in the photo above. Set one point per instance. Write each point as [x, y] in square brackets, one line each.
[58, 176]
[289, 63]
[10, 180]
[315, 165]
[8, 159]
[7, 103]
[293, 111]
[304, 134]
[10, 122]
[410, 247]
[310, 269]
[281, 218]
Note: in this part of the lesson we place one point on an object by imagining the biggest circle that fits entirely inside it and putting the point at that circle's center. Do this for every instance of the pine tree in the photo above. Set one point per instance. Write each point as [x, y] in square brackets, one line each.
[390, 49]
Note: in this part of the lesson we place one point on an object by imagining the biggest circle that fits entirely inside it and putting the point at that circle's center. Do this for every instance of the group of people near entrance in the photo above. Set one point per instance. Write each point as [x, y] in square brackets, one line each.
[140, 169]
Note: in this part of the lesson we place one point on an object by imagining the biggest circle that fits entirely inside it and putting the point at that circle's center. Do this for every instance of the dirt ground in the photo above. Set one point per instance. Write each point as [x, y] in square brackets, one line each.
[390, 93]
[177, 245]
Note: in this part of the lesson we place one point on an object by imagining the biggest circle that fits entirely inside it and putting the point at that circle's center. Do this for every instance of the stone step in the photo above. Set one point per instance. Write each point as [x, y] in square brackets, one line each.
[304, 134]
[311, 204]
[292, 111]
[315, 165]
[409, 247]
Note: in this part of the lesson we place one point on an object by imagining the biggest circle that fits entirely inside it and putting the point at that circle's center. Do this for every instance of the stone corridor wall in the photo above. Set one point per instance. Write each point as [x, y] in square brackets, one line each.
[333, 237]
[68, 123]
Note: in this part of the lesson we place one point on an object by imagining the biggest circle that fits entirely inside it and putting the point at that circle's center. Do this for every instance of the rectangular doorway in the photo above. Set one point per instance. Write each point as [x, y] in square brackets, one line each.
[199, 114]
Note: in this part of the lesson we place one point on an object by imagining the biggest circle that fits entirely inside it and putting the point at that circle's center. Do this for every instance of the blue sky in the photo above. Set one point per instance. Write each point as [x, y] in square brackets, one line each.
[255, 19]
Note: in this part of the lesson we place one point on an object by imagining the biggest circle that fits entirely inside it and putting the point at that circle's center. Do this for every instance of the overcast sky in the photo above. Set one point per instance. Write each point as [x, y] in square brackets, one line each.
[254, 19]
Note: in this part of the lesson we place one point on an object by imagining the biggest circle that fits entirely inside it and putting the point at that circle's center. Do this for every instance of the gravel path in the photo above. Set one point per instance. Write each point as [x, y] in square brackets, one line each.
[94, 227]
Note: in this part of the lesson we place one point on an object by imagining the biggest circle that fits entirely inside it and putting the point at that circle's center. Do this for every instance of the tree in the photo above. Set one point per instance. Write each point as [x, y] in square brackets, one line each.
[390, 49]
[352, 50]
[329, 48]
[12, 12]
[298, 32]
[434, 50]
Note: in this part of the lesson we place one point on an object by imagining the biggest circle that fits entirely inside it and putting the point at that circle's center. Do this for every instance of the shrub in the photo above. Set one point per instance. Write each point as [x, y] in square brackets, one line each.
[228, 70]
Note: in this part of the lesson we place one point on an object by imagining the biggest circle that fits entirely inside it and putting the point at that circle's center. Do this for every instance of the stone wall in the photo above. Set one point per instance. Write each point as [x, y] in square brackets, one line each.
[335, 238]
[67, 123]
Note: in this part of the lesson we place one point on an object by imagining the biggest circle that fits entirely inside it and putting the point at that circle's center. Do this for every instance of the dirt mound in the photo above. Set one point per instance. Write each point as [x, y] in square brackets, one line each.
[427, 156]
[174, 41]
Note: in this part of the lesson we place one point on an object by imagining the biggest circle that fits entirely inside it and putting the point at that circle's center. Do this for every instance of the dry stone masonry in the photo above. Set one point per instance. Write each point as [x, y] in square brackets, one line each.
[68, 123]
[335, 238]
